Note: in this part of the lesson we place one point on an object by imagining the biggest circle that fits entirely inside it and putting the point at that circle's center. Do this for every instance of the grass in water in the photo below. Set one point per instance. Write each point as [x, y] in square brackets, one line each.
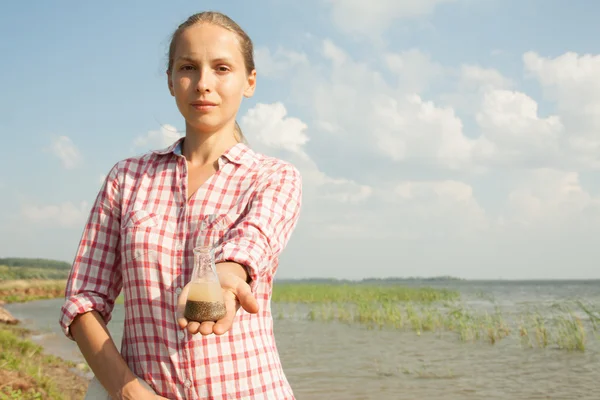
[422, 310]
[409, 308]
[363, 293]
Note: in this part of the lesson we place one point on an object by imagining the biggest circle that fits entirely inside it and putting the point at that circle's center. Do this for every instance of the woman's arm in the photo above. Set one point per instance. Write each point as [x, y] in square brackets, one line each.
[94, 283]
[101, 354]
[248, 249]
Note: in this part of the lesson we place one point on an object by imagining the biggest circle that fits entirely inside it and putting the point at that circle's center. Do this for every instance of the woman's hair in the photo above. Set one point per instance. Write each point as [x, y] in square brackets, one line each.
[222, 20]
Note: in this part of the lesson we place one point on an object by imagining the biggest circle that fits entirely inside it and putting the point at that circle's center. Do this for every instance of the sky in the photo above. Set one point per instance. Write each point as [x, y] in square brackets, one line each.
[434, 137]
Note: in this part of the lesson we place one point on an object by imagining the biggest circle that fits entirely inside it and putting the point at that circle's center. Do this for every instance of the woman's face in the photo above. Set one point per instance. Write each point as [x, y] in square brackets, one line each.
[209, 78]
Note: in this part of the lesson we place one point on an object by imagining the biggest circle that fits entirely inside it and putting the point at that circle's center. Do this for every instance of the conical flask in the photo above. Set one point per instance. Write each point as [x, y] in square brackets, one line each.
[205, 297]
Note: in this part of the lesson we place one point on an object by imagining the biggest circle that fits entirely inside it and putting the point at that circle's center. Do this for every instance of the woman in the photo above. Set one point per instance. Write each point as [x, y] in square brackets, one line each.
[147, 219]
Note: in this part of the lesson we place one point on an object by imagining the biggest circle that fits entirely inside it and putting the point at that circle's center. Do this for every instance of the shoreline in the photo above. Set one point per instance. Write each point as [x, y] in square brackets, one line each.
[27, 371]
[570, 325]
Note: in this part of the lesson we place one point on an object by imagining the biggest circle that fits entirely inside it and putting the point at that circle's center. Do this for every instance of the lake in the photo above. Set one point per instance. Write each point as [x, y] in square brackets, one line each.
[335, 360]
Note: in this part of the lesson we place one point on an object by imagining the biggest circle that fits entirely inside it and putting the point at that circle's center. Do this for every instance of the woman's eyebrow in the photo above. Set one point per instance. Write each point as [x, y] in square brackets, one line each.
[222, 59]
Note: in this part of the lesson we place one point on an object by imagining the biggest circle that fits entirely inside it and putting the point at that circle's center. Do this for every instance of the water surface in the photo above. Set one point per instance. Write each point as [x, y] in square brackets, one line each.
[329, 360]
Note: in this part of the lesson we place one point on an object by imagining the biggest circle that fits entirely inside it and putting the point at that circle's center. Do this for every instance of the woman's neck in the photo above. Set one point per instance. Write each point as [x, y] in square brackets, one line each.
[200, 148]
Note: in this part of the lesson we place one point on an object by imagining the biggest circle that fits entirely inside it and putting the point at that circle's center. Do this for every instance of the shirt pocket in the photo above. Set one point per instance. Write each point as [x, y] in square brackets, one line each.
[146, 236]
[148, 250]
[140, 219]
[139, 234]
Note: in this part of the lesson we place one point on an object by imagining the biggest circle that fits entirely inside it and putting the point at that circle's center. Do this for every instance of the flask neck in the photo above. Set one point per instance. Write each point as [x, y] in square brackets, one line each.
[204, 261]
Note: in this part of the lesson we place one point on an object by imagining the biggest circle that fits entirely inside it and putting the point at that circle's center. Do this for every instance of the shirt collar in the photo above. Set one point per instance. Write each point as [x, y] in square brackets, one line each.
[237, 154]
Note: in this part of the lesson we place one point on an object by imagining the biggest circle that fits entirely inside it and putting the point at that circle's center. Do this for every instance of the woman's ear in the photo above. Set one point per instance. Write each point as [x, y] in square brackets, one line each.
[170, 84]
[250, 84]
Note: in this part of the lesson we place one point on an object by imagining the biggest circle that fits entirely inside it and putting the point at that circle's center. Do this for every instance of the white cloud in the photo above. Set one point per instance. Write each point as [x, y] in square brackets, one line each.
[427, 204]
[155, 140]
[65, 215]
[509, 122]
[413, 70]
[372, 18]
[343, 207]
[272, 132]
[64, 148]
[342, 190]
[441, 207]
[572, 82]
[333, 53]
[354, 102]
[390, 117]
[411, 128]
[268, 124]
[548, 195]
[279, 63]
[570, 79]
[473, 83]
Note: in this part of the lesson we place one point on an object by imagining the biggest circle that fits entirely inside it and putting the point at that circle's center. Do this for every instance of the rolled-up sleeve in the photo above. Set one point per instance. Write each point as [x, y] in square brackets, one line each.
[95, 279]
[264, 230]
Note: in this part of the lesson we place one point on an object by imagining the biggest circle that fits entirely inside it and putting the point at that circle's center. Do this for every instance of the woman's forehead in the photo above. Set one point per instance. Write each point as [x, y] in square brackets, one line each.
[201, 38]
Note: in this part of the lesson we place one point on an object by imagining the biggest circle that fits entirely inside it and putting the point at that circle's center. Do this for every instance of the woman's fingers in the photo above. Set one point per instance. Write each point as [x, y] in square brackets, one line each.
[236, 293]
[181, 320]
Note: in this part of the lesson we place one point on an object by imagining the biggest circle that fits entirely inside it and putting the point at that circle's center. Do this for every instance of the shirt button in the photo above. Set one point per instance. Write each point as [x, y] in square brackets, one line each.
[188, 383]
[181, 335]
[178, 290]
[179, 245]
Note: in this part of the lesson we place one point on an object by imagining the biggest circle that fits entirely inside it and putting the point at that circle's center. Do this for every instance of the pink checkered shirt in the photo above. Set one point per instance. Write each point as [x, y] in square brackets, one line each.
[139, 239]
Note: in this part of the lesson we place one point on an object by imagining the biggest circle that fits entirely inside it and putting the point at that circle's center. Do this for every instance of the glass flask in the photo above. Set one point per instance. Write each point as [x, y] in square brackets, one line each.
[205, 300]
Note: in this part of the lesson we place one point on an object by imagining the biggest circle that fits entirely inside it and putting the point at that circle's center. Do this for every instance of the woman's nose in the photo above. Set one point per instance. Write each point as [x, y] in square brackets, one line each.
[204, 81]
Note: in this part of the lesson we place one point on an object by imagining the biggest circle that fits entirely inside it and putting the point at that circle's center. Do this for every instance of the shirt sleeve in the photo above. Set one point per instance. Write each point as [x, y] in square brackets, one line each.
[264, 230]
[95, 279]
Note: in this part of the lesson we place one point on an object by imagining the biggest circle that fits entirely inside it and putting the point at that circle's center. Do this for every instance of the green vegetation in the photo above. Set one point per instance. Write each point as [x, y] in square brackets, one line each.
[440, 311]
[8, 273]
[402, 304]
[359, 294]
[19, 291]
[27, 373]
[566, 326]
[35, 263]
[378, 281]
[32, 268]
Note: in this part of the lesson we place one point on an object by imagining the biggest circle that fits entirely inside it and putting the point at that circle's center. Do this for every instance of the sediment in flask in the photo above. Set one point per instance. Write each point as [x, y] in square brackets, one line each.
[205, 302]
[201, 311]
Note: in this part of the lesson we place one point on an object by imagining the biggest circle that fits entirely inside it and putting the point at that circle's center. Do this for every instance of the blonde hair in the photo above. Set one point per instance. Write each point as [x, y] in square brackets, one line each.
[222, 20]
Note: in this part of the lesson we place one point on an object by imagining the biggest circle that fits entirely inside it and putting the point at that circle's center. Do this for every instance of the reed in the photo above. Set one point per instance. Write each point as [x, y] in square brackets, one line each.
[567, 326]
[357, 293]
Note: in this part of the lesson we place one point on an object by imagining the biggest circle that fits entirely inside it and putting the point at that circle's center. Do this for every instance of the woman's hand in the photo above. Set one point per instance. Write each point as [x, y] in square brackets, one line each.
[236, 293]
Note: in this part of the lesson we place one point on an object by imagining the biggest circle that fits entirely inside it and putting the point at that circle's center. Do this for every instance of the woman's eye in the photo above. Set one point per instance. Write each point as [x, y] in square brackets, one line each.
[222, 68]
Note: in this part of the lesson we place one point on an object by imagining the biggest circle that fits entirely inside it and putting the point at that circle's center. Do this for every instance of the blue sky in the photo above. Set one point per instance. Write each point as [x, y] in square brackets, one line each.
[435, 137]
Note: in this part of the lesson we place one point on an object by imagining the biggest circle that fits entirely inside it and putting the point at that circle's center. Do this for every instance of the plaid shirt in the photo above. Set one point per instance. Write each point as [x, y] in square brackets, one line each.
[139, 238]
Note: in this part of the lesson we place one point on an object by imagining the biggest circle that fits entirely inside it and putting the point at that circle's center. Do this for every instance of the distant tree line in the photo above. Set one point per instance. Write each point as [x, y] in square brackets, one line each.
[35, 263]
[389, 280]
[14, 273]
